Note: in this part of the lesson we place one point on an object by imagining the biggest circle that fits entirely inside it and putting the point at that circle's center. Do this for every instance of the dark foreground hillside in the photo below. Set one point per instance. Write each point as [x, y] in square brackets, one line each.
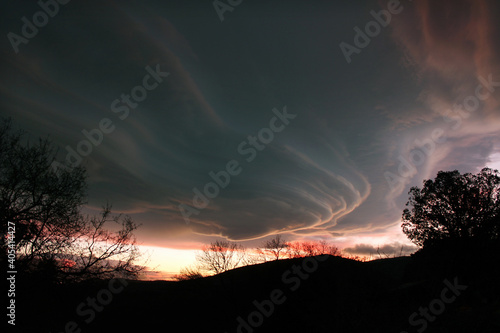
[439, 292]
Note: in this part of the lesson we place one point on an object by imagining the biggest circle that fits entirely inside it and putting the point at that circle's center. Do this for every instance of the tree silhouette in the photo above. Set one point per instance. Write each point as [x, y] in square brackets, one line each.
[304, 249]
[188, 273]
[220, 256]
[275, 247]
[454, 207]
[44, 204]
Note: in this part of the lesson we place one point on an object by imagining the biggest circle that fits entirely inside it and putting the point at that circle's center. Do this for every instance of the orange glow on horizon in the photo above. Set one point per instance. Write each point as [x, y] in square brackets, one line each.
[167, 262]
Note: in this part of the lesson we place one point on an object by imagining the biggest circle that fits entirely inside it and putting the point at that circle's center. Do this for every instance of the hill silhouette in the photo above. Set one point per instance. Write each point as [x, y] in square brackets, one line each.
[313, 294]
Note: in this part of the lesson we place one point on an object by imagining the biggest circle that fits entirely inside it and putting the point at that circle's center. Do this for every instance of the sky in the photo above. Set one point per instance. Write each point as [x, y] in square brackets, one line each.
[204, 120]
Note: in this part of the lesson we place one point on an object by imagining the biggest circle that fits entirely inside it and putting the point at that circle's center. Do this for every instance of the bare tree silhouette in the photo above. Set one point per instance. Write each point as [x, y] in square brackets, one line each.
[188, 273]
[276, 247]
[220, 256]
[304, 249]
[45, 206]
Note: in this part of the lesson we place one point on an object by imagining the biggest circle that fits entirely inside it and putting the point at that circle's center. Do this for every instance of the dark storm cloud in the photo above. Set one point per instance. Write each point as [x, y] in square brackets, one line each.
[322, 174]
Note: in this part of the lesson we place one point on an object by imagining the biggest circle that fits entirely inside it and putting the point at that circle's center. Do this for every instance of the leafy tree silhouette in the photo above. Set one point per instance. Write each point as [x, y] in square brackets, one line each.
[53, 238]
[455, 208]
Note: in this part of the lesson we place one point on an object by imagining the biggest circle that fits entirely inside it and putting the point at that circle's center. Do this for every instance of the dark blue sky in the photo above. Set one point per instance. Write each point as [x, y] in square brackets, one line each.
[413, 99]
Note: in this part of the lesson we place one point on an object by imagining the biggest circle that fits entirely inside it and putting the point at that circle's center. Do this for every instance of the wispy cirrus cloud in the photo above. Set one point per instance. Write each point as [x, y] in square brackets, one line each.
[450, 48]
[323, 175]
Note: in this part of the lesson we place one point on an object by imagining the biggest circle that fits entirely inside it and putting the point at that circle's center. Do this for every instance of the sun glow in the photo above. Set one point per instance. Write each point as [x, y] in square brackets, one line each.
[165, 261]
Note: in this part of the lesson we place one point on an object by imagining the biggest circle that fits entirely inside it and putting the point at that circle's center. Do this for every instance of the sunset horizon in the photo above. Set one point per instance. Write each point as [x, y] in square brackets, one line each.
[242, 138]
[250, 166]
